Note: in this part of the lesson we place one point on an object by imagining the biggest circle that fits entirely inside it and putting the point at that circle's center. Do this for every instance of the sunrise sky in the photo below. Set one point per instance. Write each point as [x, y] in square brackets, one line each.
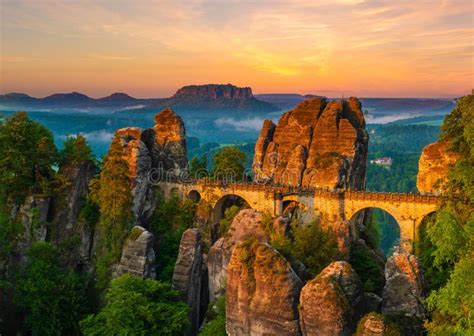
[151, 48]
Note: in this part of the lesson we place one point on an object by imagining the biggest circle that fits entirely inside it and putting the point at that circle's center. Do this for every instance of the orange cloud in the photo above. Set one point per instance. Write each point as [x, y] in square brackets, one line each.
[150, 48]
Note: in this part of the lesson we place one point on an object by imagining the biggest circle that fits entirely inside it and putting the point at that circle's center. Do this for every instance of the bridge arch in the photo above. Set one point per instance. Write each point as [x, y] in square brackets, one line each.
[226, 202]
[194, 196]
[389, 227]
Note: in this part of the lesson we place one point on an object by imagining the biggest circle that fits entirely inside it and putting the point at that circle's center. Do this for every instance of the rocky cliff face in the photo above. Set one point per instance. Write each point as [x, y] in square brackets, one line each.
[32, 214]
[328, 302]
[162, 148]
[262, 292]
[317, 144]
[66, 209]
[215, 91]
[138, 255]
[433, 167]
[246, 224]
[187, 275]
[404, 292]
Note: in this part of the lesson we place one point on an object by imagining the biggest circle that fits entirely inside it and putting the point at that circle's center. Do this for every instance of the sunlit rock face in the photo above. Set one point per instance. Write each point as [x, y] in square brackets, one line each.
[317, 144]
[433, 166]
[247, 223]
[328, 302]
[138, 255]
[404, 292]
[161, 148]
[262, 292]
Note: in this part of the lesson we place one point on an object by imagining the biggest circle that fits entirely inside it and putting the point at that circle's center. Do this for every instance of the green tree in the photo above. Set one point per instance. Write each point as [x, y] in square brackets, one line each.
[451, 235]
[75, 151]
[216, 319]
[314, 246]
[112, 193]
[229, 162]
[52, 298]
[197, 166]
[225, 222]
[27, 153]
[170, 219]
[136, 306]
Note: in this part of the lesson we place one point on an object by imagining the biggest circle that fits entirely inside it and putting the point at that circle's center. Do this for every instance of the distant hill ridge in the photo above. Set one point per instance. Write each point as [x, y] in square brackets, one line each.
[210, 97]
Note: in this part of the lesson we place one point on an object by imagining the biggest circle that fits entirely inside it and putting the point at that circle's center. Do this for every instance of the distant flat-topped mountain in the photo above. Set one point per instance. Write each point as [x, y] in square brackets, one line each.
[211, 97]
[215, 97]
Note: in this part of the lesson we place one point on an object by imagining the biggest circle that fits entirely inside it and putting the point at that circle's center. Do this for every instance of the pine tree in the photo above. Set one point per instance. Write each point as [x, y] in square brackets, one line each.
[112, 192]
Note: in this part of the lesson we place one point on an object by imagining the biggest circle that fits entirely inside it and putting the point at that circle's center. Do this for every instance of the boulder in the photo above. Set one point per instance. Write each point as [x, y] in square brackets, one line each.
[187, 275]
[404, 291]
[262, 292]
[138, 255]
[374, 324]
[328, 302]
[317, 144]
[433, 166]
[247, 223]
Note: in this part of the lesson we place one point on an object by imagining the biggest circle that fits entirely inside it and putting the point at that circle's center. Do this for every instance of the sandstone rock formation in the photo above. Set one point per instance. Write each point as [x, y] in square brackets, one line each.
[404, 290]
[33, 215]
[162, 148]
[187, 275]
[327, 303]
[318, 144]
[67, 206]
[375, 325]
[246, 224]
[433, 166]
[262, 292]
[138, 255]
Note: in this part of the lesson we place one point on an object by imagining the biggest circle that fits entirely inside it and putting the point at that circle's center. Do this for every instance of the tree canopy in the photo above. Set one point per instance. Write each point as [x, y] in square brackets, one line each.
[136, 306]
[229, 163]
[27, 154]
[451, 234]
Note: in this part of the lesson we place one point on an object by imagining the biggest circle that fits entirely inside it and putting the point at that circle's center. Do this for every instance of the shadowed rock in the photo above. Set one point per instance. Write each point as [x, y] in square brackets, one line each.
[138, 255]
[187, 275]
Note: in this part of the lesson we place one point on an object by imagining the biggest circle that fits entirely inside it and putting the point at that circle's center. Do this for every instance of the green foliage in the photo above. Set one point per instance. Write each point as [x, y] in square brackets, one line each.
[366, 264]
[314, 246]
[170, 219]
[136, 306]
[90, 213]
[372, 234]
[229, 162]
[197, 166]
[75, 151]
[27, 153]
[453, 304]
[451, 235]
[216, 319]
[225, 222]
[399, 177]
[112, 193]
[52, 298]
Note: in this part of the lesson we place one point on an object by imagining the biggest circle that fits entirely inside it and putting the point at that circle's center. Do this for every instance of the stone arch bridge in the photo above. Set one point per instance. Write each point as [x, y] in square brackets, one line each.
[409, 210]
